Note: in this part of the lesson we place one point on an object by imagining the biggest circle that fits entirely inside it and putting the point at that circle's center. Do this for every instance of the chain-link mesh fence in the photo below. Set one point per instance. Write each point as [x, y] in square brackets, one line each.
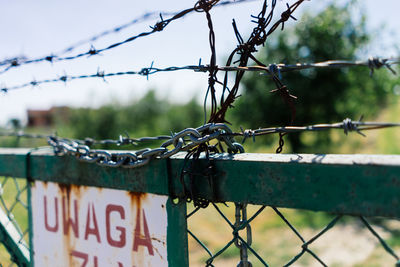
[14, 223]
[236, 235]
[246, 235]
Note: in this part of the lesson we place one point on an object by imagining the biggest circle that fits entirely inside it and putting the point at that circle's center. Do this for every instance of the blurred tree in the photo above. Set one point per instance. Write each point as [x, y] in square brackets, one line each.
[147, 116]
[15, 124]
[184, 116]
[143, 116]
[323, 95]
[96, 123]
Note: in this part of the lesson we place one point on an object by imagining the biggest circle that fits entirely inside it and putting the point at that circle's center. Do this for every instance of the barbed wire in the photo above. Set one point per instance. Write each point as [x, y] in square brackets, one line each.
[102, 75]
[272, 70]
[19, 61]
[347, 125]
[372, 63]
[8, 61]
[184, 140]
[122, 139]
[142, 18]
[245, 52]
[159, 26]
[196, 137]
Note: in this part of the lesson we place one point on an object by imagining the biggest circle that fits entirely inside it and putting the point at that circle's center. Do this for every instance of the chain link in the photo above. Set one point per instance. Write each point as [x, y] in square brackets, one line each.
[241, 222]
[183, 141]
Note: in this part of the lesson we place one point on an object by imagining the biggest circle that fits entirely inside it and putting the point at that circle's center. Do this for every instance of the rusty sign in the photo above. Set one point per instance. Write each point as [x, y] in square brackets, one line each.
[89, 226]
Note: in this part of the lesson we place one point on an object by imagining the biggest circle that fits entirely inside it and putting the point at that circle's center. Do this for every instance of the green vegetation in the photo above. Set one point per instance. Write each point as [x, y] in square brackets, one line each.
[322, 95]
[143, 117]
[148, 116]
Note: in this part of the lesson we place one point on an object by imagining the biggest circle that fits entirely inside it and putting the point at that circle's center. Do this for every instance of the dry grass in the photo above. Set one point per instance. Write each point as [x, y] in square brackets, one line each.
[20, 213]
[347, 244]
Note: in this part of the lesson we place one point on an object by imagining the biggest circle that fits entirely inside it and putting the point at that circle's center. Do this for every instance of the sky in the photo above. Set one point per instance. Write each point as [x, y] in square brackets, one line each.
[42, 27]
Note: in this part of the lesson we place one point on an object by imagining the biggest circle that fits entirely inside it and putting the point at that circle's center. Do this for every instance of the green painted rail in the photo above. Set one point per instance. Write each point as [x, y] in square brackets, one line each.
[367, 185]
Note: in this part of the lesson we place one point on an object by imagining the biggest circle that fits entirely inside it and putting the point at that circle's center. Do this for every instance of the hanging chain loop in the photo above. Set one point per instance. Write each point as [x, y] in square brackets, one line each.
[240, 224]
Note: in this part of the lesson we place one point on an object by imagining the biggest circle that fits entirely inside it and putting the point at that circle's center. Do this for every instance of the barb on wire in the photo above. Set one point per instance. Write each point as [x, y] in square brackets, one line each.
[159, 26]
[102, 75]
[245, 52]
[122, 140]
[14, 62]
[145, 17]
[347, 125]
[274, 70]
[185, 140]
[372, 63]
[23, 134]
[205, 6]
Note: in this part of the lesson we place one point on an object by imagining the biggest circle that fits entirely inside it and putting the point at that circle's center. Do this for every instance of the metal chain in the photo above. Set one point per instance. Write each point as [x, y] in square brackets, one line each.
[241, 221]
[196, 136]
[182, 141]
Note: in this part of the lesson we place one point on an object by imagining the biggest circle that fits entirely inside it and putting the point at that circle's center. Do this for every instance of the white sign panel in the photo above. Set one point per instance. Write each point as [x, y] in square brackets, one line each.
[95, 227]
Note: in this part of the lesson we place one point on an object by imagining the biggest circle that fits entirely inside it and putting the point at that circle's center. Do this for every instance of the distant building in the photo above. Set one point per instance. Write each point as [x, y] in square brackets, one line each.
[46, 118]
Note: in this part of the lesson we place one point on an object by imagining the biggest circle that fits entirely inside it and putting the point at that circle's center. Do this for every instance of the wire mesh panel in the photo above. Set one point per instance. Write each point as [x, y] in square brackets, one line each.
[234, 234]
[14, 223]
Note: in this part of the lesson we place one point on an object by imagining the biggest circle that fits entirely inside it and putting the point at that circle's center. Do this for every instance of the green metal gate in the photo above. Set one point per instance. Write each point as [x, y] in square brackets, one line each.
[357, 185]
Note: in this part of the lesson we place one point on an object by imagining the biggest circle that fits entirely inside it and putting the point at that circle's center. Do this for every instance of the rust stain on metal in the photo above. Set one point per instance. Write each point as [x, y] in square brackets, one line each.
[136, 199]
[44, 185]
[67, 239]
[158, 240]
[158, 253]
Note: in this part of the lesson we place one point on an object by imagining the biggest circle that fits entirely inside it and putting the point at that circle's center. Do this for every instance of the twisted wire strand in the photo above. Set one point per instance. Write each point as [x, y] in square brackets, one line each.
[159, 26]
[122, 140]
[347, 125]
[144, 17]
[271, 70]
[19, 61]
[245, 51]
[372, 63]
